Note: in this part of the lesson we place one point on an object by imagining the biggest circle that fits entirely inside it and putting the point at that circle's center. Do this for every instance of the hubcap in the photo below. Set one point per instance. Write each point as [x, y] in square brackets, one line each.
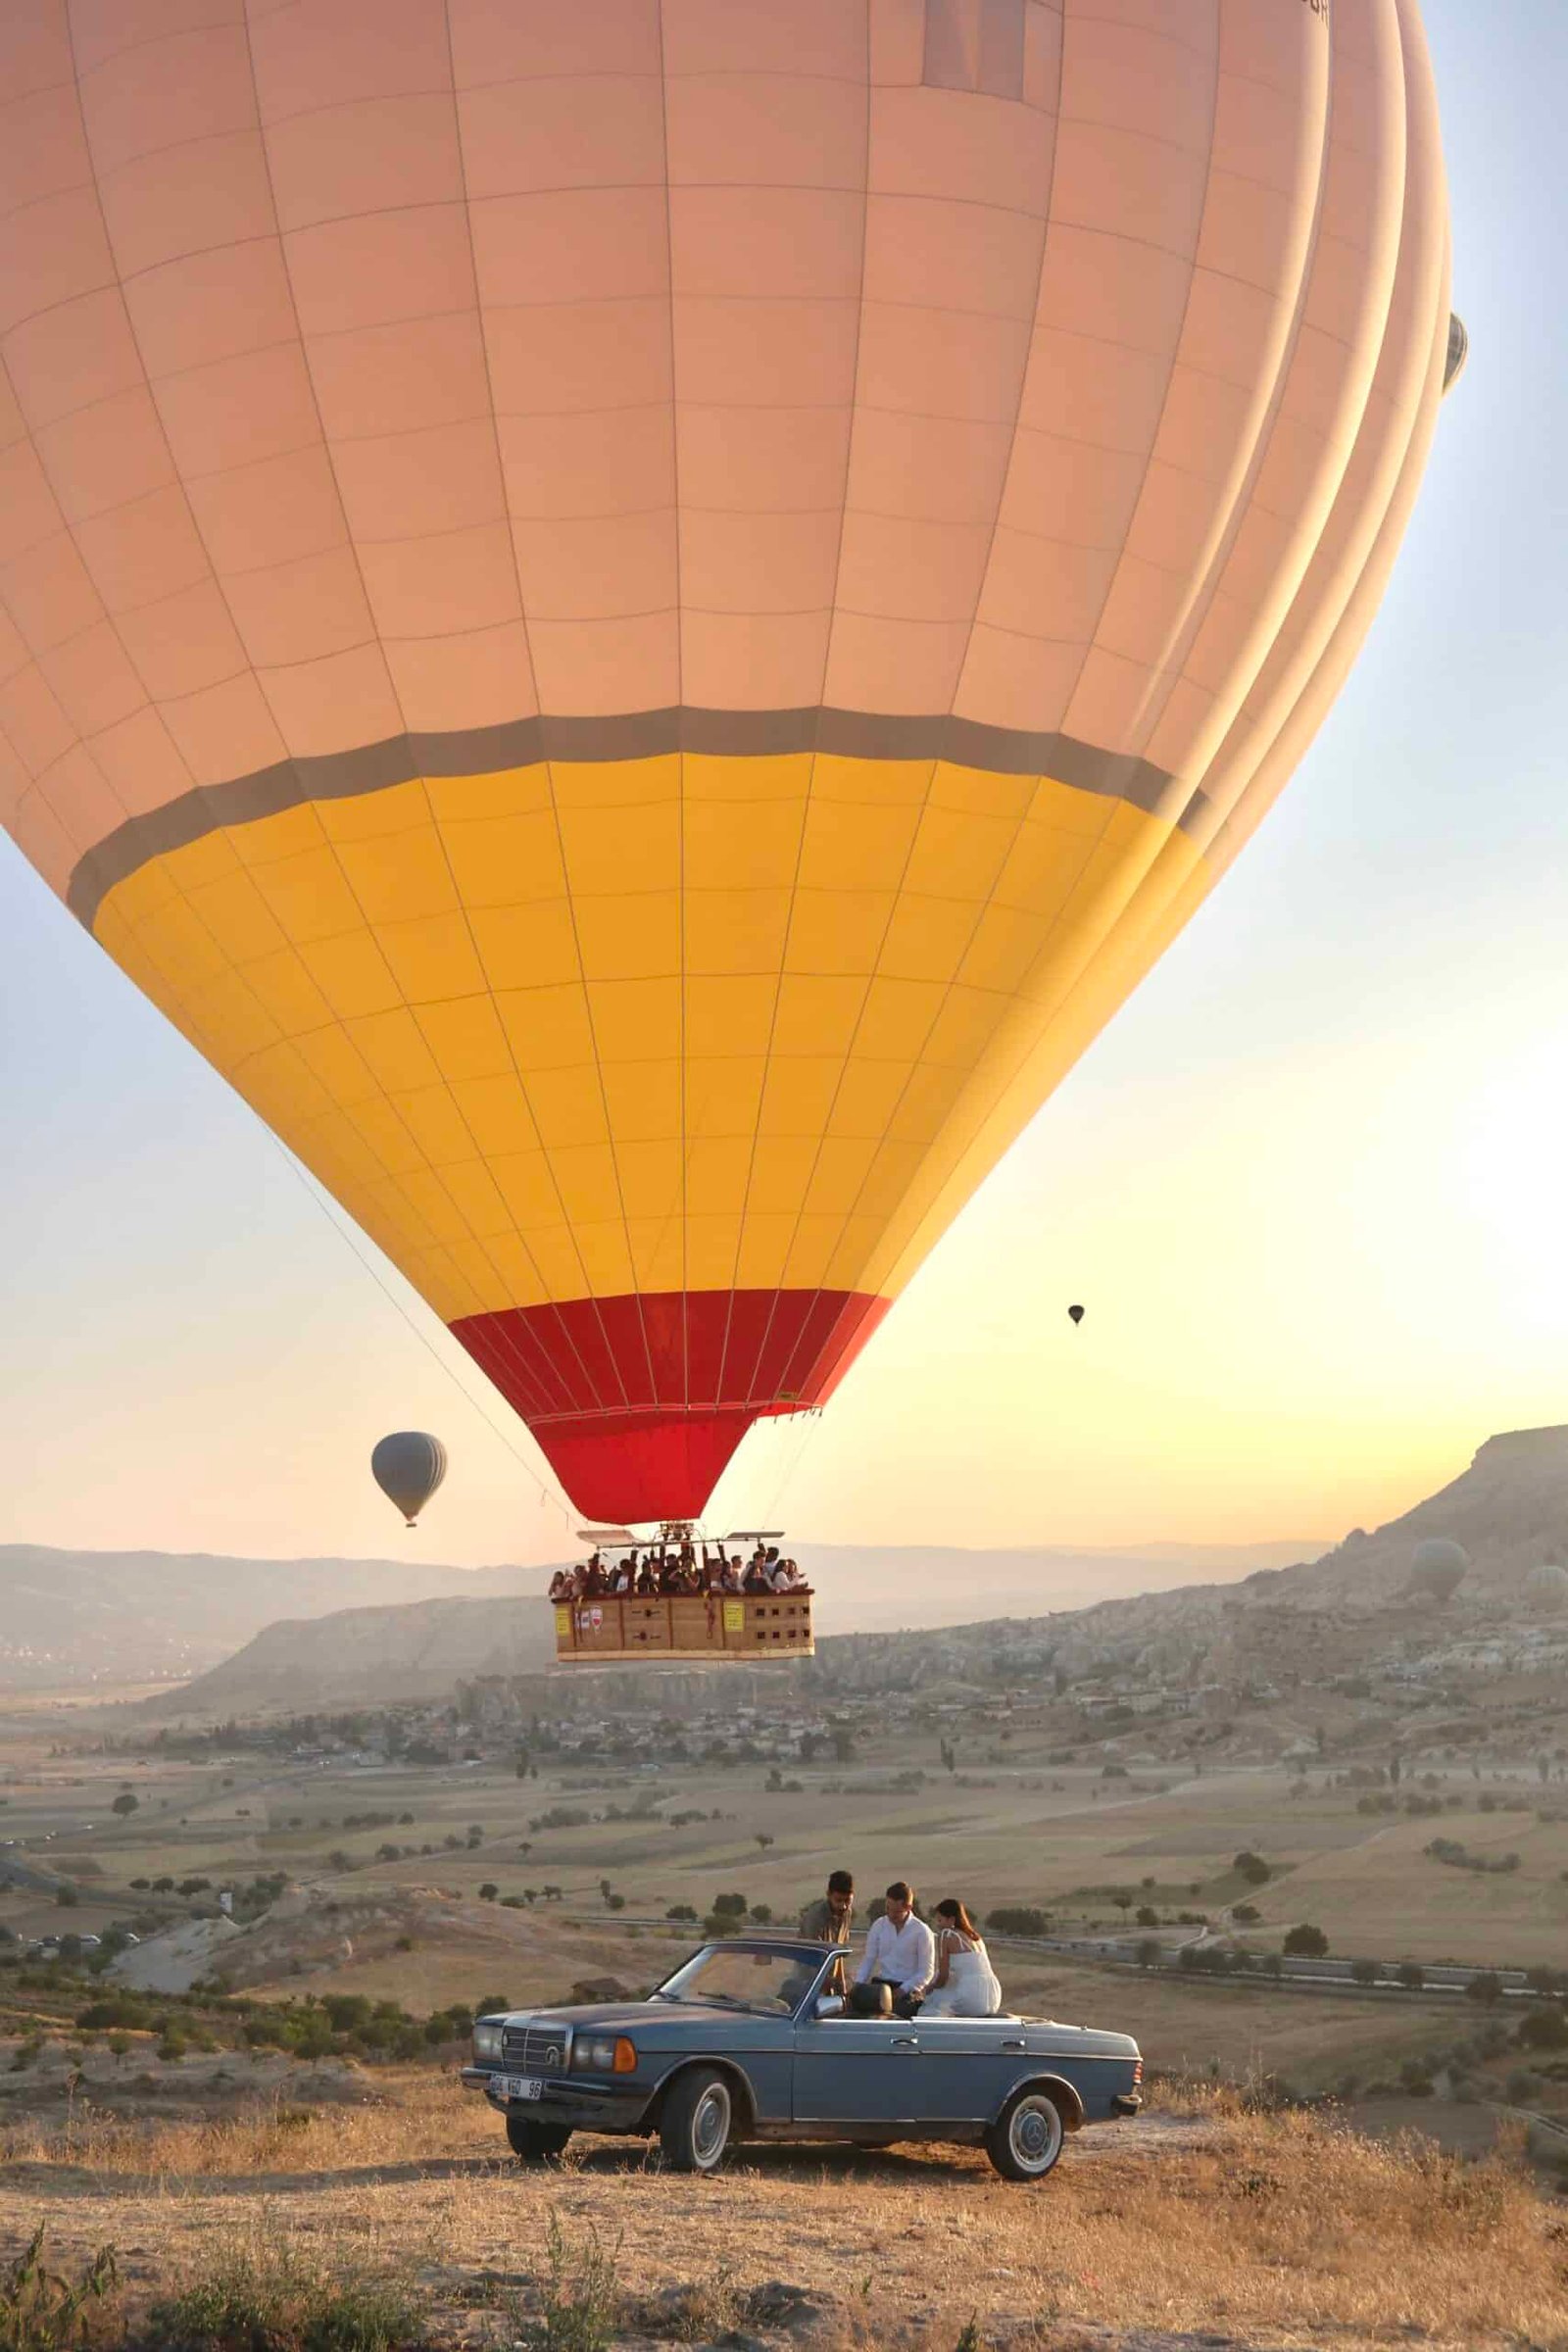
[711, 2123]
[1035, 2134]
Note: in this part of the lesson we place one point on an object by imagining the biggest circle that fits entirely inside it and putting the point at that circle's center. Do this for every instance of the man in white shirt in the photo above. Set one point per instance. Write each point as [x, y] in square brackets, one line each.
[899, 1952]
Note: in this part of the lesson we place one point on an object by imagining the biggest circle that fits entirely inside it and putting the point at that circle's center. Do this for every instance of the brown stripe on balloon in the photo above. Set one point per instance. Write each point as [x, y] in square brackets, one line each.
[632, 735]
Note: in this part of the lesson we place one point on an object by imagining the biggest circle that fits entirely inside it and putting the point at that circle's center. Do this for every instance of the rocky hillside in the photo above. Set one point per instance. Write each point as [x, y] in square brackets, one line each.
[1509, 1511]
[419, 1649]
[135, 1616]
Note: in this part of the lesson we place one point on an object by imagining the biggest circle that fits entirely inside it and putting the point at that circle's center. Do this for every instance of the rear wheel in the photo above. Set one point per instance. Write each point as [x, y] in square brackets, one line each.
[535, 2143]
[699, 2116]
[1027, 2139]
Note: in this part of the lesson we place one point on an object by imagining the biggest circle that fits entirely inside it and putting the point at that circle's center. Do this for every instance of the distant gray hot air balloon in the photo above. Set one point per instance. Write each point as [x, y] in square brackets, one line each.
[1439, 1567]
[1547, 1587]
[408, 1466]
[1077, 1313]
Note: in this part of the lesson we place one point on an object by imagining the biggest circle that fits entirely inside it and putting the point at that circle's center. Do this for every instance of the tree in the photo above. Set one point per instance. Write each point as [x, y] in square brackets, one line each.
[763, 1913]
[1412, 1976]
[1148, 1917]
[1246, 1915]
[1544, 2030]
[729, 1906]
[1485, 1989]
[1253, 1868]
[763, 1840]
[843, 1744]
[488, 1891]
[1364, 1971]
[1306, 1943]
[1149, 1955]
[126, 1804]
[681, 1911]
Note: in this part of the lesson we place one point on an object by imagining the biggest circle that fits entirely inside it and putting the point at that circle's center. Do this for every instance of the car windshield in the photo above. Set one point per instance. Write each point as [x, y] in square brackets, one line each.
[727, 1975]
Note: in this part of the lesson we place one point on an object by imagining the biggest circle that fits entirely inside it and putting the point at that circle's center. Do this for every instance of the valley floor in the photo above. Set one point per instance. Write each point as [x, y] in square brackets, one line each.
[1199, 2223]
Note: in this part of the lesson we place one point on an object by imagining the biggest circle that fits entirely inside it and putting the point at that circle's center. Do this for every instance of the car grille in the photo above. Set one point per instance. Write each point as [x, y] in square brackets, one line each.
[535, 2049]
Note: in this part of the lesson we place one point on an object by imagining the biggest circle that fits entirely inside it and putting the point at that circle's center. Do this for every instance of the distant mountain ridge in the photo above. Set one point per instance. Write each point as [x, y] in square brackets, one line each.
[1509, 1509]
[135, 1616]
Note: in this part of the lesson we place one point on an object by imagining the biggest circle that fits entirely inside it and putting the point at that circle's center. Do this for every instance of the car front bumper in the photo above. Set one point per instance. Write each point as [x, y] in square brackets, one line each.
[578, 2106]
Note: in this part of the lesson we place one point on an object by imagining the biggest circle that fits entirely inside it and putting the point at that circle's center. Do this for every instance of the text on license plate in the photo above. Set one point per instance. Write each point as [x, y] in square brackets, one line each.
[519, 2087]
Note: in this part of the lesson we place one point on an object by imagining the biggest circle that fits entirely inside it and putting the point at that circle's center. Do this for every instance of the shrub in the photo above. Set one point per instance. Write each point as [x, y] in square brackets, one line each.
[1544, 2029]
[1253, 1868]
[681, 1911]
[43, 2311]
[1485, 1988]
[1412, 1976]
[1246, 1915]
[1149, 1953]
[489, 1892]
[1306, 1943]
[581, 2303]
[282, 2300]
[1019, 1919]
[729, 1906]
[1148, 1917]
[126, 1804]
[1364, 1971]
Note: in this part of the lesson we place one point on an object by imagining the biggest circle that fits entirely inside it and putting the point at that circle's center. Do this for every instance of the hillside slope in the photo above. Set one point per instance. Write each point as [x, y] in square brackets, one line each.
[1509, 1509]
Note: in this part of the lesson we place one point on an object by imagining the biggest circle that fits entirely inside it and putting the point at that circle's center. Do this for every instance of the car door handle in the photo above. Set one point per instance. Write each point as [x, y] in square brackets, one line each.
[904, 2041]
[1016, 2045]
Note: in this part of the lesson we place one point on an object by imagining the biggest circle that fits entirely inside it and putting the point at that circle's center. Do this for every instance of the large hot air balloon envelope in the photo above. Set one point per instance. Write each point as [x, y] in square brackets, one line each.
[408, 1466]
[640, 616]
[1439, 1566]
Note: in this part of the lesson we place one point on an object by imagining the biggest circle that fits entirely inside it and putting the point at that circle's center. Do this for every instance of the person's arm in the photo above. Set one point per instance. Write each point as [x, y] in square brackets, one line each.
[924, 1961]
[869, 1957]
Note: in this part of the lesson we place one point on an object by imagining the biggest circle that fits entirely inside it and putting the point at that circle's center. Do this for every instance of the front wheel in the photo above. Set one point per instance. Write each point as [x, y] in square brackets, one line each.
[535, 2143]
[1027, 2139]
[699, 2115]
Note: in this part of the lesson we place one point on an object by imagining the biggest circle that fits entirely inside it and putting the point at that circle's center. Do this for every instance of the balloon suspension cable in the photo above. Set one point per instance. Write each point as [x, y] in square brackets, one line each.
[547, 1499]
[811, 1419]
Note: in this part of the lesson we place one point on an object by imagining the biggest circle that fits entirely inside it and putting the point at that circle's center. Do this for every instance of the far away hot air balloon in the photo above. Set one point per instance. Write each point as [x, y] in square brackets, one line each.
[408, 1466]
[1546, 1588]
[1439, 1567]
[640, 617]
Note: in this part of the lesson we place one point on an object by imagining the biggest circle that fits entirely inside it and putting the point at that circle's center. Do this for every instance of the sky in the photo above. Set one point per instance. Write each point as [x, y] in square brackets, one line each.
[1308, 1185]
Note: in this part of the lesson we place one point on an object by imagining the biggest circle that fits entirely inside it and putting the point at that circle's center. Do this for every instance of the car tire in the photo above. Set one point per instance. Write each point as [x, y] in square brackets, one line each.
[697, 2121]
[533, 2142]
[1026, 2138]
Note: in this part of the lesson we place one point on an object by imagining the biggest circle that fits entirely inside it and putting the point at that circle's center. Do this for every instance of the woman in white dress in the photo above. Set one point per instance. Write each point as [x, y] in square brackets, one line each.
[965, 1983]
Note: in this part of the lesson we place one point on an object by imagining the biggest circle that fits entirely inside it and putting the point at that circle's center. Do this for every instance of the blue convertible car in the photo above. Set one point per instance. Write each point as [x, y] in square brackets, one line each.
[749, 2040]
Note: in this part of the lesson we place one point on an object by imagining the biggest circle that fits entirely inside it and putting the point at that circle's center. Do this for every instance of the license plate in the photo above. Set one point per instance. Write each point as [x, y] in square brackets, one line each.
[519, 2087]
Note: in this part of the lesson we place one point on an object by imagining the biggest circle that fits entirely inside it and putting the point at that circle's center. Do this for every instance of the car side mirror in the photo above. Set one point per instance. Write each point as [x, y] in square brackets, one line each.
[830, 2005]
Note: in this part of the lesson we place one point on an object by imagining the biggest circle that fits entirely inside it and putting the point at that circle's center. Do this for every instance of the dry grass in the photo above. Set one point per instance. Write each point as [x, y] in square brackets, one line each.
[1277, 2230]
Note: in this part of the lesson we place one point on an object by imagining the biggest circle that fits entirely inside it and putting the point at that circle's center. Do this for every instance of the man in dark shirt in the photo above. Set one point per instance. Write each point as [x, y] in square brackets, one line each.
[830, 1920]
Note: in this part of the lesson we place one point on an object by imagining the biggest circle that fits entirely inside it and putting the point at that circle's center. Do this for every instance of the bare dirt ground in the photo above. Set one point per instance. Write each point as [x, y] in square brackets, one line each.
[1197, 2225]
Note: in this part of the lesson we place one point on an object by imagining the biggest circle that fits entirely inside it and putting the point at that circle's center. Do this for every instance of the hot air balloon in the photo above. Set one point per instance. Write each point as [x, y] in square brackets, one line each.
[408, 1466]
[1076, 1313]
[1439, 1567]
[1547, 1587]
[640, 617]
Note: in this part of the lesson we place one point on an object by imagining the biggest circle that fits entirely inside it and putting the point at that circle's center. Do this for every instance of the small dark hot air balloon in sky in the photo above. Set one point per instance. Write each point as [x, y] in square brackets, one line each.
[408, 1466]
[1077, 1313]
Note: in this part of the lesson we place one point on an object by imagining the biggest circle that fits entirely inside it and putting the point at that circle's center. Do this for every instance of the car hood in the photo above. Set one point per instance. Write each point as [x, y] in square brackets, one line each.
[611, 2017]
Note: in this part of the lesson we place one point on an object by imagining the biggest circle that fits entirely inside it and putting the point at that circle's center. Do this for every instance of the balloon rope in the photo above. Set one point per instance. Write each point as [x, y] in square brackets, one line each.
[546, 1497]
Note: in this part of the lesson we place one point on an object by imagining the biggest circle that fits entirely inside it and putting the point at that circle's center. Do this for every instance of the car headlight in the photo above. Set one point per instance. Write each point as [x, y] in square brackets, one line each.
[487, 2038]
[604, 2054]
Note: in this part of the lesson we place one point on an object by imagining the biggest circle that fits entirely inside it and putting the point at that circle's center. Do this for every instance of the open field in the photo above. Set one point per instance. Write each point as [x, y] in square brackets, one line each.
[1254, 2230]
[1062, 1837]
